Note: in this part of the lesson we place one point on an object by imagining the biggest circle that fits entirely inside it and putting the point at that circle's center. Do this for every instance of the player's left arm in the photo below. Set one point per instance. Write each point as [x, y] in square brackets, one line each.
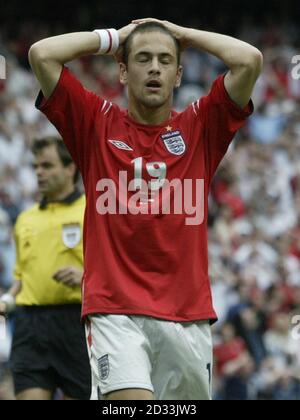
[244, 61]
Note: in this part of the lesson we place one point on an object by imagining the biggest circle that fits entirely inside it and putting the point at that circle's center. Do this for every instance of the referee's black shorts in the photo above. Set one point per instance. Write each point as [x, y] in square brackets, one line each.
[49, 351]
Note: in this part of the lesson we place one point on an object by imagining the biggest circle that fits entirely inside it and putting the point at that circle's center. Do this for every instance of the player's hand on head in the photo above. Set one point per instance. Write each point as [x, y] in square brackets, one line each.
[145, 20]
[125, 32]
[177, 31]
[123, 35]
[69, 276]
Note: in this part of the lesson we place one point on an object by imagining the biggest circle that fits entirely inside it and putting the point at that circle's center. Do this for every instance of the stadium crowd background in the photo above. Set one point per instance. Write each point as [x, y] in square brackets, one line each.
[254, 224]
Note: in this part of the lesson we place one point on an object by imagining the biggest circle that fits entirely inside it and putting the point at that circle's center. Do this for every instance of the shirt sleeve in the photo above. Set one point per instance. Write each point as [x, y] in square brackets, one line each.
[220, 118]
[72, 109]
[18, 266]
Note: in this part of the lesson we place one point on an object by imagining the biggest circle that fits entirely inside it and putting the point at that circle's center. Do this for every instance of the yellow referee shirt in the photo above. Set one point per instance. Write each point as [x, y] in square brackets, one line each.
[48, 239]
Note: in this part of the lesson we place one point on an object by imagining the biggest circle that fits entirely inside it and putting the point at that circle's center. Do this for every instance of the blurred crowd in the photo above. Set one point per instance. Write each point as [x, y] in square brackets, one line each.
[254, 223]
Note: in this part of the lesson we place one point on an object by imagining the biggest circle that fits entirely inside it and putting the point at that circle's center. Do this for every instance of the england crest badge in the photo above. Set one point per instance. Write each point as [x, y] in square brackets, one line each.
[71, 235]
[103, 368]
[174, 143]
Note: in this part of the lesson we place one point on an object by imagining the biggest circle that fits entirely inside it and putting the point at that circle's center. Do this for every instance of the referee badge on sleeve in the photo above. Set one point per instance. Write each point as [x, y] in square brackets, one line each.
[71, 235]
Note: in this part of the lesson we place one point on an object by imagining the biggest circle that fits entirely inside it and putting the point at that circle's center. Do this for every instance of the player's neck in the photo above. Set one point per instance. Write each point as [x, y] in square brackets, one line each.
[149, 116]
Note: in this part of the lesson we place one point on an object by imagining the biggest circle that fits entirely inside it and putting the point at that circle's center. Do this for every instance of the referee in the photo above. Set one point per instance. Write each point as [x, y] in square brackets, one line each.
[49, 350]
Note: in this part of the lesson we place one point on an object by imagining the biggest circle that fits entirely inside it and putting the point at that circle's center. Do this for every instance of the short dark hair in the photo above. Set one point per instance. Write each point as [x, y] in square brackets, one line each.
[149, 27]
[65, 157]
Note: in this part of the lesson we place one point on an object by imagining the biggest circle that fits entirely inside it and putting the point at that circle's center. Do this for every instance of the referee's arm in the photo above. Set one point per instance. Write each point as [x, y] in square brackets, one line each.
[7, 301]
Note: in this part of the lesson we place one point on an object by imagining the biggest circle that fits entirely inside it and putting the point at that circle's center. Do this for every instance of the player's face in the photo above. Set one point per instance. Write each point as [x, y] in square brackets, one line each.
[52, 175]
[153, 71]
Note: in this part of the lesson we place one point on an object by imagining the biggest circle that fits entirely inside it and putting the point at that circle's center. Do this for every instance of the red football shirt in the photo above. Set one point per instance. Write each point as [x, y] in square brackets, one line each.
[141, 261]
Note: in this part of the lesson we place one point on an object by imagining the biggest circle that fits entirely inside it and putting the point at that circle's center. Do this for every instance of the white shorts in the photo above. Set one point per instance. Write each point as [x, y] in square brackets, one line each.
[172, 360]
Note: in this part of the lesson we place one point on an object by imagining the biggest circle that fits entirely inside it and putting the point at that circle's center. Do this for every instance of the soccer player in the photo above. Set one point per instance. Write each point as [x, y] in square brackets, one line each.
[49, 348]
[147, 171]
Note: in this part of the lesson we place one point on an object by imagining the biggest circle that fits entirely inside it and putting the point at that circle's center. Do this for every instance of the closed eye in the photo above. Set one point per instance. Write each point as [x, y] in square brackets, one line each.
[163, 58]
[143, 58]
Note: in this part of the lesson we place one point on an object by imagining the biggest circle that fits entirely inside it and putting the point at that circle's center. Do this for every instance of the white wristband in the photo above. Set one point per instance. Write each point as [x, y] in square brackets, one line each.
[9, 301]
[109, 41]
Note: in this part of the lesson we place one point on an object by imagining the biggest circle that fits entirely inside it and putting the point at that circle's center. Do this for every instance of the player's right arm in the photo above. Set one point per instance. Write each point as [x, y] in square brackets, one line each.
[48, 56]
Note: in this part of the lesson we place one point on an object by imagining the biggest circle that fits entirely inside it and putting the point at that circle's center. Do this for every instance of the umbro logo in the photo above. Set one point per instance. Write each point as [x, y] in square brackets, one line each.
[120, 145]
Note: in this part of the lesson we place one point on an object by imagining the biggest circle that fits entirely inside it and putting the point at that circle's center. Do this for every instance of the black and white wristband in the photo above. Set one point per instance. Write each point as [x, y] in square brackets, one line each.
[109, 41]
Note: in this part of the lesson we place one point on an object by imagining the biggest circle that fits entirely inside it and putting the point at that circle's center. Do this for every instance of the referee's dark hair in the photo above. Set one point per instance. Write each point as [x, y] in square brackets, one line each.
[65, 157]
